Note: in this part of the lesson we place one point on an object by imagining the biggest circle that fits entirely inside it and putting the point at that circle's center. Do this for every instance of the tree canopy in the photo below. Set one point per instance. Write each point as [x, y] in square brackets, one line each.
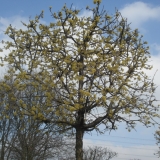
[90, 70]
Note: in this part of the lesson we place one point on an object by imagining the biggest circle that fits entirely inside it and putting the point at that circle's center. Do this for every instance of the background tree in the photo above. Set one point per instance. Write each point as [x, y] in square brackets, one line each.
[34, 142]
[7, 127]
[98, 153]
[6, 131]
[23, 137]
[157, 137]
[90, 71]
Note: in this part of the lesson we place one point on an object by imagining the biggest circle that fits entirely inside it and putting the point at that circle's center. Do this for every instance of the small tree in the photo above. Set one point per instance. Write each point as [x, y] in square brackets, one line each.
[157, 137]
[90, 69]
[98, 153]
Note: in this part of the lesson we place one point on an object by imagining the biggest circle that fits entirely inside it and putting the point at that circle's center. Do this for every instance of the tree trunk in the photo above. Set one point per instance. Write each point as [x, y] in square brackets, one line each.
[79, 144]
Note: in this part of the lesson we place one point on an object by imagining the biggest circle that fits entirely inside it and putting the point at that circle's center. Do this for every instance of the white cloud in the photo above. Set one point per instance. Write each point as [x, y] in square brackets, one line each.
[155, 48]
[15, 21]
[139, 12]
[154, 61]
[86, 14]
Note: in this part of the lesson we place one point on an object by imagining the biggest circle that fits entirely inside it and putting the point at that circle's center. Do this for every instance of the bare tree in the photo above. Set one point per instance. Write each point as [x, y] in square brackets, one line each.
[157, 137]
[33, 142]
[7, 127]
[98, 153]
[6, 131]
[23, 137]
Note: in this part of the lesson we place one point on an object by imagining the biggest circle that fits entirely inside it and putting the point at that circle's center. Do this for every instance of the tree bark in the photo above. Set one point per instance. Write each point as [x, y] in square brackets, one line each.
[79, 144]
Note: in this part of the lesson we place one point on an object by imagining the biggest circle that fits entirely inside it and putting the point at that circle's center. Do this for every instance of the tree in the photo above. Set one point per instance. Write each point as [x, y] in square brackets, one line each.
[157, 137]
[98, 153]
[6, 130]
[33, 142]
[90, 70]
[23, 137]
[6, 124]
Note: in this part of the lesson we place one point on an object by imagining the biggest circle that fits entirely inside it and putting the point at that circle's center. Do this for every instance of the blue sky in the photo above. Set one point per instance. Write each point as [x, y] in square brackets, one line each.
[144, 15]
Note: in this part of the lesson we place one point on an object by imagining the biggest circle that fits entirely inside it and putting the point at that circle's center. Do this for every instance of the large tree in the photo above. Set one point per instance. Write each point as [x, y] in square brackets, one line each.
[91, 71]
